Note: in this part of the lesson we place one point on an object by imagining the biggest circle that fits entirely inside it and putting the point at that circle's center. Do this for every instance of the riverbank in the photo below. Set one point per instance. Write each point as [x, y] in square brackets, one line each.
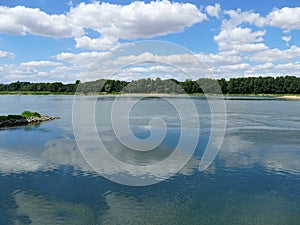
[35, 93]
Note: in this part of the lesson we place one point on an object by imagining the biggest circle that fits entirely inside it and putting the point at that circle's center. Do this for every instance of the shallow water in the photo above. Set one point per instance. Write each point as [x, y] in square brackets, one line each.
[255, 178]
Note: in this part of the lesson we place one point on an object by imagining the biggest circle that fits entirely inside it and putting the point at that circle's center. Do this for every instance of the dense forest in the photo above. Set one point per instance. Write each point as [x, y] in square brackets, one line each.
[248, 85]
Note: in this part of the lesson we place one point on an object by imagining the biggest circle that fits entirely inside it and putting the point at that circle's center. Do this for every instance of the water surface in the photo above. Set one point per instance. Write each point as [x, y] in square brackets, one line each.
[255, 178]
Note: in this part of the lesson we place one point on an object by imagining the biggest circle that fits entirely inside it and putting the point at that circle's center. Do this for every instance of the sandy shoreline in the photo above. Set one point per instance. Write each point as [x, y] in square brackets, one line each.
[290, 97]
[139, 95]
[151, 94]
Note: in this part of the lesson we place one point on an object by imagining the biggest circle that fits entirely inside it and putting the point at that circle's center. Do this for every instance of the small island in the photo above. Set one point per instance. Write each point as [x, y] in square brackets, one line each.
[25, 118]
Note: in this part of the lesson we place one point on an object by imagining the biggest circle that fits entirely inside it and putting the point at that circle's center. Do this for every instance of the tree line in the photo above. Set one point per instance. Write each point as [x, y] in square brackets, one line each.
[245, 85]
[38, 87]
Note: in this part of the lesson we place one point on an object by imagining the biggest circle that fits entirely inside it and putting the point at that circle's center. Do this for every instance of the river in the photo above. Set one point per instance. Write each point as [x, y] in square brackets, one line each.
[255, 178]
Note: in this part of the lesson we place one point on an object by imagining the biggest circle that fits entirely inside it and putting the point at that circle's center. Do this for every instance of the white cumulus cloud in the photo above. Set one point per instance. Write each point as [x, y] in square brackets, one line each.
[21, 20]
[40, 64]
[85, 58]
[286, 38]
[132, 21]
[213, 10]
[238, 17]
[111, 21]
[276, 55]
[285, 18]
[240, 39]
[4, 54]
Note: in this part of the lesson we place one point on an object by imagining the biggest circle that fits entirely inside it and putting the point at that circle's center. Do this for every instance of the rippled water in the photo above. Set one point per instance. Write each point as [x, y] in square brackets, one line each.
[254, 180]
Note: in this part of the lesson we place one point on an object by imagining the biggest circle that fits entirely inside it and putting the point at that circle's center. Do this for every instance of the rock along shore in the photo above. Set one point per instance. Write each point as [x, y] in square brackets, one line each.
[24, 121]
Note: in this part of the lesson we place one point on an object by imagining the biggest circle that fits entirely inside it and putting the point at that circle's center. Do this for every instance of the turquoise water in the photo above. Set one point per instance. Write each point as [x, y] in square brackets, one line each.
[255, 178]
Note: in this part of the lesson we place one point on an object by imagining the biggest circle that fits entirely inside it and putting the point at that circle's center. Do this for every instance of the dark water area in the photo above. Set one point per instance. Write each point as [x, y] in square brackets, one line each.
[255, 178]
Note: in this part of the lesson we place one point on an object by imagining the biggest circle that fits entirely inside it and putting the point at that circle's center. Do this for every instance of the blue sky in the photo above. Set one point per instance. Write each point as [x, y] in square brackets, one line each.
[43, 40]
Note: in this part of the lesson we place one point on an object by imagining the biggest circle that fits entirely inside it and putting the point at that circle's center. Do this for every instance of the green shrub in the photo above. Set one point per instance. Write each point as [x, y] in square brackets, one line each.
[28, 114]
[2, 118]
[25, 114]
[15, 117]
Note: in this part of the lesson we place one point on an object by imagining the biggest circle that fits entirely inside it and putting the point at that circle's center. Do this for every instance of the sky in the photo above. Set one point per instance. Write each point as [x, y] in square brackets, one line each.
[65, 41]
